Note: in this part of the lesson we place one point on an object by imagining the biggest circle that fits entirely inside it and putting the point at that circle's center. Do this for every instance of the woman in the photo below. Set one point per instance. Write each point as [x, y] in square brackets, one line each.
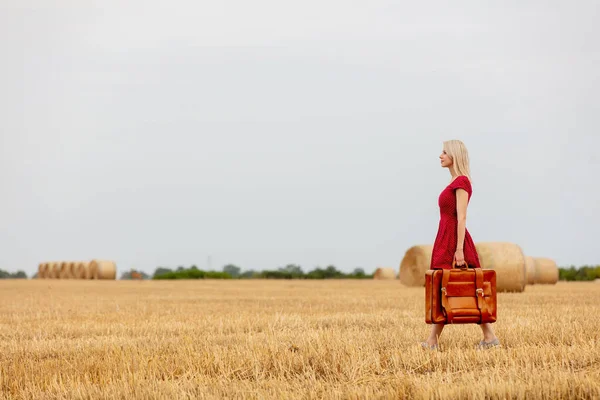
[453, 242]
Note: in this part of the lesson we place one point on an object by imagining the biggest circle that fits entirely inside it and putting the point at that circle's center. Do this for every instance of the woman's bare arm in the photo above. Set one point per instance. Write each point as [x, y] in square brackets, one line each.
[462, 199]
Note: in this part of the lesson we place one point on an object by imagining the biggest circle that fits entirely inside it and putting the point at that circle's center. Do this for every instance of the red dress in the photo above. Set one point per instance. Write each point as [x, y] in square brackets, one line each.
[445, 241]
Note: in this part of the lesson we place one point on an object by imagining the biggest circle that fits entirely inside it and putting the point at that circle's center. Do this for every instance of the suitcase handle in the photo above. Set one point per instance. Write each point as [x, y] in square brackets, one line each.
[462, 267]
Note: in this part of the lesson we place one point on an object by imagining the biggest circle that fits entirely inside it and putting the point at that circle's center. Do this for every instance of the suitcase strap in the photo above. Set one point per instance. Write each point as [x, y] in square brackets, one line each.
[481, 305]
[445, 279]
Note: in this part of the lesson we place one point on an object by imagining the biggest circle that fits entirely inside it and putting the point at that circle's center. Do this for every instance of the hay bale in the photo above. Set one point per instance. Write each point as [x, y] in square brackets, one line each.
[44, 270]
[53, 270]
[72, 270]
[82, 269]
[415, 263]
[101, 269]
[92, 272]
[546, 271]
[508, 260]
[47, 270]
[65, 270]
[530, 270]
[41, 274]
[384, 273]
[51, 273]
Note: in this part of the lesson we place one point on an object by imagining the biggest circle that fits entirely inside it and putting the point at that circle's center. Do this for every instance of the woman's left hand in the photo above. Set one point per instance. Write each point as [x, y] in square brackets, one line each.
[459, 258]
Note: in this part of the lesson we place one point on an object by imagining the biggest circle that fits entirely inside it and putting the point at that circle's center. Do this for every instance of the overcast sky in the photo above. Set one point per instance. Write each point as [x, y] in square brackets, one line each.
[263, 133]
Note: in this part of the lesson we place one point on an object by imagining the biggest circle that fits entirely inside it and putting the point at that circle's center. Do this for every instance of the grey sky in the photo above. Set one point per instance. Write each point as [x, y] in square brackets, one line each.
[265, 133]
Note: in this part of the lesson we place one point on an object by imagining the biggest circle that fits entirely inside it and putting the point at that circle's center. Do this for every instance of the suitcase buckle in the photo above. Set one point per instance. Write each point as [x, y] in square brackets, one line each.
[479, 291]
[443, 290]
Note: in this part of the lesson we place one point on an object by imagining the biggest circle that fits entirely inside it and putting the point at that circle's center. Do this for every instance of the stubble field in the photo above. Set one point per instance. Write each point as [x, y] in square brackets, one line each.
[286, 339]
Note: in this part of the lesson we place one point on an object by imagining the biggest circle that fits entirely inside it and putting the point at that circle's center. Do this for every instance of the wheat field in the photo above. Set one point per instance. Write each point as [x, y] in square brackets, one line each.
[286, 340]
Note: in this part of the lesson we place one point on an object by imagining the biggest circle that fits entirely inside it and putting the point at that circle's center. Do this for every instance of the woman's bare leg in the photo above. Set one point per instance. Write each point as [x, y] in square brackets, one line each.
[436, 331]
[488, 332]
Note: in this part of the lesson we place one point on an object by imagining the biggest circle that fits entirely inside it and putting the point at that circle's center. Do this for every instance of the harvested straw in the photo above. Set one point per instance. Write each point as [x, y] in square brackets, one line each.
[101, 269]
[530, 270]
[384, 273]
[415, 263]
[508, 261]
[82, 269]
[546, 271]
[65, 270]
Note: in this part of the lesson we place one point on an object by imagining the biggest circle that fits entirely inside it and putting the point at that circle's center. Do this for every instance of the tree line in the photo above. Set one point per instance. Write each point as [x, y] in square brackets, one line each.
[12, 275]
[584, 273]
[231, 271]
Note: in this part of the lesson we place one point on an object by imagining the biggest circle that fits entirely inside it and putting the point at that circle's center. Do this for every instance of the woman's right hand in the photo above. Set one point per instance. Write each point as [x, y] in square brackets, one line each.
[459, 258]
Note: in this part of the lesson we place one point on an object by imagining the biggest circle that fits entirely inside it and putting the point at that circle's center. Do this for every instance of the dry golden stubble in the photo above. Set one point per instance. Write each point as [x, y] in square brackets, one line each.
[290, 339]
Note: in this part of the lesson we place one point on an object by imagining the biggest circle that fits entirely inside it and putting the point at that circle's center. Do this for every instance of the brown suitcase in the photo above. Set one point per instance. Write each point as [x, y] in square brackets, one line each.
[460, 296]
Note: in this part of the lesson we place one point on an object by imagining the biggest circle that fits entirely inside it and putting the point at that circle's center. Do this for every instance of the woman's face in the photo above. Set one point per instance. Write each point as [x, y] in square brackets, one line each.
[445, 160]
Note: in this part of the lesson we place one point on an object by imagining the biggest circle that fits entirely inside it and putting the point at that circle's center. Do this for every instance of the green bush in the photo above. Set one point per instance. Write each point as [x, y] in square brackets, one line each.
[584, 273]
[290, 271]
[192, 273]
[12, 275]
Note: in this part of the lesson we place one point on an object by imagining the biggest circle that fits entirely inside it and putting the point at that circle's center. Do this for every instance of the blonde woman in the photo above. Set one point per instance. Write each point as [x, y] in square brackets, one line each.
[453, 242]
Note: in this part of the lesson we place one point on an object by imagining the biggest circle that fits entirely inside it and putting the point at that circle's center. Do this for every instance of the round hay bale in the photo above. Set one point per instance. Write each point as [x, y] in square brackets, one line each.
[47, 270]
[82, 269]
[65, 270]
[101, 269]
[41, 271]
[530, 270]
[92, 272]
[415, 263]
[384, 274]
[52, 272]
[546, 271]
[72, 270]
[508, 261]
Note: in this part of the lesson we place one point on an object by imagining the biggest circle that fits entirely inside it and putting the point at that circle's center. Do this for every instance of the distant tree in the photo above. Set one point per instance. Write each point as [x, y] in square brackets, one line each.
[180, 268]
[20, 275]
[292, 269]
[15, 275]
[327, 273]
[161, 271]
[583, 273]
[232, 270]
[250, 274]
[358, 271]
[193, 274]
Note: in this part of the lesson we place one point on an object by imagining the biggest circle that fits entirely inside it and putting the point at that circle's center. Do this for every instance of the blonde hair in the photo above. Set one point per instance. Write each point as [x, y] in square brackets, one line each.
[460, 157]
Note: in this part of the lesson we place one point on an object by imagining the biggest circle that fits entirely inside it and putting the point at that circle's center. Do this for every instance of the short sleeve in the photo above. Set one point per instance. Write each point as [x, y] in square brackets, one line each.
[462, 182]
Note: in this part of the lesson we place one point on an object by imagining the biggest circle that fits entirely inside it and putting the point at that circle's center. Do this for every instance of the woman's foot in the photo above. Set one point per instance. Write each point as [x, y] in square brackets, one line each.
[429, 346]
[483, 345]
